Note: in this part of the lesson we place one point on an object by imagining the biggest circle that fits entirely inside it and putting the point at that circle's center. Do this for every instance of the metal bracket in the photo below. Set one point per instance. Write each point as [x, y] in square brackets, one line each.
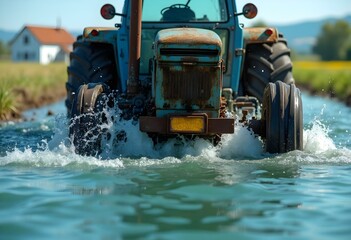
[239, 52]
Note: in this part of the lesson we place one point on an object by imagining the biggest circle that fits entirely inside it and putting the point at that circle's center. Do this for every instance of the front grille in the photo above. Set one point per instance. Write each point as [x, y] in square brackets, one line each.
[192, 84]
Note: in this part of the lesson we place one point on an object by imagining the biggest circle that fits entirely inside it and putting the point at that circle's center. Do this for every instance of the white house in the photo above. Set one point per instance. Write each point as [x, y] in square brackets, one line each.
[42, 45]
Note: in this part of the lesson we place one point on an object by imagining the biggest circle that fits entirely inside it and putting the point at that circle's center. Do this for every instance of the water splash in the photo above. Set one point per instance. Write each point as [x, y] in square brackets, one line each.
[61, 157]
[317, 140]
[139, 149]
[243, 143]
[138, 144]
[123, 139]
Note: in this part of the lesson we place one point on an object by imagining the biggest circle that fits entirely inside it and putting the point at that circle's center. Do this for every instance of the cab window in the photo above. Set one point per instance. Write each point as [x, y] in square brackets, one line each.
[184, 11]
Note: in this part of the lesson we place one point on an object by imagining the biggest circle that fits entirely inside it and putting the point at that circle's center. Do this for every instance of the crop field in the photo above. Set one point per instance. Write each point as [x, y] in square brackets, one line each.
[326, 78]
[26, 85]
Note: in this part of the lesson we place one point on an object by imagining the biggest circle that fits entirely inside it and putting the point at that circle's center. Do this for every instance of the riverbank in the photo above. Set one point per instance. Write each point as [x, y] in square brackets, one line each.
[331, 79]
[29, 85]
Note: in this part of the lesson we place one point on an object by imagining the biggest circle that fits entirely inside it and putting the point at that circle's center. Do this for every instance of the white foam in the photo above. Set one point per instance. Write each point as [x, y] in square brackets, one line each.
[316, 139]
[63, 158]
[139, 149]
[136, 144]
[242, 144]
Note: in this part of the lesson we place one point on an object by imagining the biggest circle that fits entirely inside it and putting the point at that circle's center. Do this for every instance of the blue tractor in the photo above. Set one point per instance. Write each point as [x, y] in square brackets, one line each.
[183, 67]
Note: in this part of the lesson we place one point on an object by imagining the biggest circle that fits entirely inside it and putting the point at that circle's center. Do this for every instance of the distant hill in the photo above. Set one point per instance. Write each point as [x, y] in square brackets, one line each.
[6, 36]
[301, 36]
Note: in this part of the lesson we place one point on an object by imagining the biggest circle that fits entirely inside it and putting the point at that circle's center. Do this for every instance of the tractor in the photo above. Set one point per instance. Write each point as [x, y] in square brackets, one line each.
[183, 68]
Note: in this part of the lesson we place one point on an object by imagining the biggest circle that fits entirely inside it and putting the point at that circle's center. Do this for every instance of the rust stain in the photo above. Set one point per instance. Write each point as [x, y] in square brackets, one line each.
[88, 30]
[190, 36]
[259, 34]
[190, 84]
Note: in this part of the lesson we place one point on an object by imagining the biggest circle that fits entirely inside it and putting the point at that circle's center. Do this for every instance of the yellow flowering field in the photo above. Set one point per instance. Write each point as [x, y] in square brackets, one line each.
[332, 78]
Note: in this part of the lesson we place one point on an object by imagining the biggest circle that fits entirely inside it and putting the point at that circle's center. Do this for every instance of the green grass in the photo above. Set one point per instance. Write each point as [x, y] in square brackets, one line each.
[7, 104]
[26, 85]
[331, 78]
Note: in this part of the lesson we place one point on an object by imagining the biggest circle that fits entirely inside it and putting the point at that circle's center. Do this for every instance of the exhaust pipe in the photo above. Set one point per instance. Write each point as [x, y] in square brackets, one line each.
[134, 47]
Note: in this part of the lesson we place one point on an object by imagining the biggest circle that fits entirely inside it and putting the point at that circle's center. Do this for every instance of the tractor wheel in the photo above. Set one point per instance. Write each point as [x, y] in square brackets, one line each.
[267, 62]
[85, 126]
[90, 63]
[282, 118]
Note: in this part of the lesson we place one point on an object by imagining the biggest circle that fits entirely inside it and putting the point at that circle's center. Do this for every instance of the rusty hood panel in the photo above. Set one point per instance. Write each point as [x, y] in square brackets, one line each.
[188, 45]
[188, 36]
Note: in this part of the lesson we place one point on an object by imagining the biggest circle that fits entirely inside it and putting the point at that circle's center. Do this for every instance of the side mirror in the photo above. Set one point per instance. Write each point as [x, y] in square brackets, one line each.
[108, 11]
[250, 11]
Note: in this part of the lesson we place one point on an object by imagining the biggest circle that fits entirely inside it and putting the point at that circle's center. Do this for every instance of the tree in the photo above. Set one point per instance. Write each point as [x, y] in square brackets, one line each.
[259, 23]
[333, 41]
[4, 50]
[348, 54]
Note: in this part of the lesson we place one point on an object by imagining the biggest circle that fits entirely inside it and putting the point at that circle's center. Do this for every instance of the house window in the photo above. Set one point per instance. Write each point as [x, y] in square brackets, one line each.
[25, 56]
[26, 40]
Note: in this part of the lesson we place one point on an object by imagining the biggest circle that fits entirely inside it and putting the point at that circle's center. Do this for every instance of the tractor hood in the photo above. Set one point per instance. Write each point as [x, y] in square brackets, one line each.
[188, 73]
[188, 44]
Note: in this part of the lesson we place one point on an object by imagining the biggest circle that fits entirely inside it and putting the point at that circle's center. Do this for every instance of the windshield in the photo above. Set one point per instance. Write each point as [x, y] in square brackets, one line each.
[185, 11]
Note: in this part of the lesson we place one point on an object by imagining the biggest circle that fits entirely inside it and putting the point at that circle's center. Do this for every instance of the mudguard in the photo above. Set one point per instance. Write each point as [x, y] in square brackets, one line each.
[260, 35]
[100, 34]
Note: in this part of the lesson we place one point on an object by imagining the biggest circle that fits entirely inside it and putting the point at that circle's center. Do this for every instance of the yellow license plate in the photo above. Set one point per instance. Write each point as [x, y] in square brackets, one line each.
[187, 124]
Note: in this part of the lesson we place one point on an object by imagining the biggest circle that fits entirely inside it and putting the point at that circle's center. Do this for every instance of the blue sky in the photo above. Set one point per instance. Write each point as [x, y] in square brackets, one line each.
[74, 15]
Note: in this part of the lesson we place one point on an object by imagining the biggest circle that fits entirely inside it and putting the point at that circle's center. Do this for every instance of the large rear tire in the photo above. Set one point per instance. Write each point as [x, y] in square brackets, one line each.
[87, 113]
[90, 63]
[265, 63]
[282, 118]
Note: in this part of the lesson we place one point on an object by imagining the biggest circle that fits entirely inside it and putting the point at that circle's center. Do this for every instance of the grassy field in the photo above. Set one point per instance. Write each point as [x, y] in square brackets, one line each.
[326, 78]
[27, 85]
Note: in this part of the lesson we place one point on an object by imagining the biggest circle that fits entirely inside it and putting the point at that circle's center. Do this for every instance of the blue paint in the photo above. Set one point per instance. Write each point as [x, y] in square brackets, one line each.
[230, 32]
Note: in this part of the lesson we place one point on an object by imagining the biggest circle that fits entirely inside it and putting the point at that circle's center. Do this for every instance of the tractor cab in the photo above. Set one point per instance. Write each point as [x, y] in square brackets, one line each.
[159, 15]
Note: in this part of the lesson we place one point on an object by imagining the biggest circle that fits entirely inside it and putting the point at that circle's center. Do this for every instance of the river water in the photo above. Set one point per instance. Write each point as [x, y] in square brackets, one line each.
[179, 191]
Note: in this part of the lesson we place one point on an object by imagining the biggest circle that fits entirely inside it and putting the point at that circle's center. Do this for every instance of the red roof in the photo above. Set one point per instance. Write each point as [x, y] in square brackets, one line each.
[51, 36]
